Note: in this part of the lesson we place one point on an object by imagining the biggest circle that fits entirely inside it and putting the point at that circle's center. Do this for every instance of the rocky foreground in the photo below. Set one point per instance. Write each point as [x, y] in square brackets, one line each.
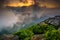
[9, 37]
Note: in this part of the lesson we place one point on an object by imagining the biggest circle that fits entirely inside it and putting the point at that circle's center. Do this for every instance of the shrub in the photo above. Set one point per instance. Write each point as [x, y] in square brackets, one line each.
[35, 29]
[27, 33]
[41, 29]
[52, 35]
[24, 34]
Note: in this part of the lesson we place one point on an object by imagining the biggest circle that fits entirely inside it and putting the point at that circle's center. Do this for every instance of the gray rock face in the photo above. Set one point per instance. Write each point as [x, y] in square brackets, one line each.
[54, 21]
[38, 37]
[9, 37]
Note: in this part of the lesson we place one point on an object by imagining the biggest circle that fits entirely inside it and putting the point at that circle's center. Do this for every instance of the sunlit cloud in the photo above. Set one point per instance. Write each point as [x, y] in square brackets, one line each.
[18, 3]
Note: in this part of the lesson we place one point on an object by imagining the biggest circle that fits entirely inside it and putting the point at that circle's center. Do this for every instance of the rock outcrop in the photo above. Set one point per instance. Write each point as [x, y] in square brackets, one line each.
[9, 37]
[54, 20]
[38, 37]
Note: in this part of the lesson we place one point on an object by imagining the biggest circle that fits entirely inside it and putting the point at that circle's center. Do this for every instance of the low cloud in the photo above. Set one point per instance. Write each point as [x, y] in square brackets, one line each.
[7, 18]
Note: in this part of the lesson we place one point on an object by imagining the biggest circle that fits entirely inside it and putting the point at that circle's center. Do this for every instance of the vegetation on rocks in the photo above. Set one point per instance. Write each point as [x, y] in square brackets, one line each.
[38, 29]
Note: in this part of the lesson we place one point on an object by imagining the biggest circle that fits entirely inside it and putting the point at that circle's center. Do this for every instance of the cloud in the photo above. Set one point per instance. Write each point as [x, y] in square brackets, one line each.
[7, 18]
[20, 3]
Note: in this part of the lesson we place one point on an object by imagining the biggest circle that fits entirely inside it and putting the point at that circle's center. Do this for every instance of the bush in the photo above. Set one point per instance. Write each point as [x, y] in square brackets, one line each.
[52, 35]
[41, 29]
[27, 33]
[36, 29]
[24, 34]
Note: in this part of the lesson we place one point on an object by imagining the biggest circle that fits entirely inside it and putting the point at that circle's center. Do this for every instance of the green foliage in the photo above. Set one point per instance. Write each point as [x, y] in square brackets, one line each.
[36, 29]
[28, 38]
[25, 34]
[52, 35]
[41, 29]
[50, 27]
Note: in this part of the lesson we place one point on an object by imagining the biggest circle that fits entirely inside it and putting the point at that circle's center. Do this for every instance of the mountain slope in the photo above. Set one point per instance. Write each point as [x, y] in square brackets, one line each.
[54, 21]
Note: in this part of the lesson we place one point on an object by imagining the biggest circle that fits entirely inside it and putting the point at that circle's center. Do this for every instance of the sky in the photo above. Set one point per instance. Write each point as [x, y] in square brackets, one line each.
[26, 11]
[41, 3]
[7, 18]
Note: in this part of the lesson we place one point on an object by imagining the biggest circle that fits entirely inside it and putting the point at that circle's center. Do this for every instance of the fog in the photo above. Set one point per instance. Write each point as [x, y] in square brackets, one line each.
[7, 18]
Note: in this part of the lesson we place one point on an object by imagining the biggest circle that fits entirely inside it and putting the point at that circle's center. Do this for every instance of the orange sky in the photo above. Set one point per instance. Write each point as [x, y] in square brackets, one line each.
[18, 3]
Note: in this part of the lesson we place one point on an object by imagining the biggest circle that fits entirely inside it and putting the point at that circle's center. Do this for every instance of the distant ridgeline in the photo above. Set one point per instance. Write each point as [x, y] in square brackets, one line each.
[54, 20]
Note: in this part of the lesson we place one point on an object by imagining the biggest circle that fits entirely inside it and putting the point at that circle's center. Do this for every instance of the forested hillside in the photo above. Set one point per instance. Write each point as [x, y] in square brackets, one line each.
[46, 30]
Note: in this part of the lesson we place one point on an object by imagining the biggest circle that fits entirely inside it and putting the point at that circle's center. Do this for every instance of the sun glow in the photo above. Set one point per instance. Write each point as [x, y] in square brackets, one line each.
[20, 4]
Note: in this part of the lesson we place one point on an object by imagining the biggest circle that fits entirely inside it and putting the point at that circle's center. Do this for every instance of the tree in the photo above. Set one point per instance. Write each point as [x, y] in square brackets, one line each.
[52, 35]
[24, 34]
[41, 29]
